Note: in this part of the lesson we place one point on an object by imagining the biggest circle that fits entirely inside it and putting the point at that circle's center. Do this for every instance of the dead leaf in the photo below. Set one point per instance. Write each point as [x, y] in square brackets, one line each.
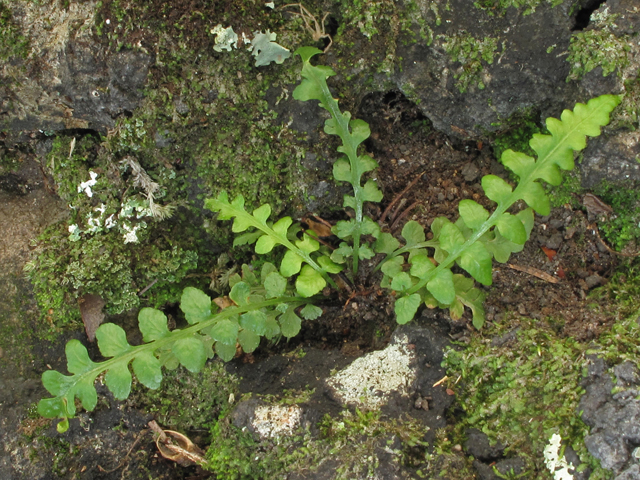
[450, 392]
[92, 316]
[176, 446]
[595, 206]
[318, 225]
[223, 302]
[549, 252]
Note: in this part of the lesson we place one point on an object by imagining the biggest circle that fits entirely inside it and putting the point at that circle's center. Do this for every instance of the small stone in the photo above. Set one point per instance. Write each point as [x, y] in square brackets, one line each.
[555, 241]
[593, 280]
[556, 223]
[470, 172]
[631, 473]
[478, 446]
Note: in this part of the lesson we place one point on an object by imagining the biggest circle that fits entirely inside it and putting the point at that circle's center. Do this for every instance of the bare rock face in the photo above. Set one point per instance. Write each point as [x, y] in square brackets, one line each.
[74, 83]
[476, 69]
[482, 67]
[614, 419]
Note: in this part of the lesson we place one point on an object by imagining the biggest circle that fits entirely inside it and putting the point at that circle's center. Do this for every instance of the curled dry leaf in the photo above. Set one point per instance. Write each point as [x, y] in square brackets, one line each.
[176, 447]
[92, 316]
[595, 207]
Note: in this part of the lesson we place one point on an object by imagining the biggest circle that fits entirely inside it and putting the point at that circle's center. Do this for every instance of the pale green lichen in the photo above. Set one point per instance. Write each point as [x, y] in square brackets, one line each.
[226, 38]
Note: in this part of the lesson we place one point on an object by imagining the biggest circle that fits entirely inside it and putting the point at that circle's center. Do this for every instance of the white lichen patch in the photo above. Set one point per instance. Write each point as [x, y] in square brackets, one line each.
[559, 467]
[276, 420]
[226, 38]
[86, 186]
[369, 381]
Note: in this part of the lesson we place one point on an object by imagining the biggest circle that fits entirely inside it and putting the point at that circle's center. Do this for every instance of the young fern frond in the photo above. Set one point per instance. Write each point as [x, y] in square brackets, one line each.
[352, 132]
[477, 237]
[313, 276]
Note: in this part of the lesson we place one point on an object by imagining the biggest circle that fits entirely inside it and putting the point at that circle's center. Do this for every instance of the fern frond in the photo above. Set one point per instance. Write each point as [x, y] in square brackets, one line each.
[477, 237]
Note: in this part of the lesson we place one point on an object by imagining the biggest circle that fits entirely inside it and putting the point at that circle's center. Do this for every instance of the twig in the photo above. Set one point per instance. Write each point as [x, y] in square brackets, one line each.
[126, 457]
[441, 381]
[397, 197]
[318, 32]
[147, 287]
[535, 272]
[402, 215]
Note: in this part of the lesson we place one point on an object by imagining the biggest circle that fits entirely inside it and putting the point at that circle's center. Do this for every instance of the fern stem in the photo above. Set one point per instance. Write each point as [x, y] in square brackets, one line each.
[342, 129]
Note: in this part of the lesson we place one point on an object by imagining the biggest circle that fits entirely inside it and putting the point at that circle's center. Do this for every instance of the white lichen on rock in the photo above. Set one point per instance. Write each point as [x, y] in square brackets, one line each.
[558, 467]
[86, 186]
[226, 38]
[276, 420]
[370, 380]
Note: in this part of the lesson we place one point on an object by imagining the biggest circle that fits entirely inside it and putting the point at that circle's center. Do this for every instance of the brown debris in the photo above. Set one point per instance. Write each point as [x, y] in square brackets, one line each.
[92, 315]
[176, 446]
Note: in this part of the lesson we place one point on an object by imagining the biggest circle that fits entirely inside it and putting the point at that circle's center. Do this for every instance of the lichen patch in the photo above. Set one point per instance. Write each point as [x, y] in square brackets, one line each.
[370, 380]
[276, 420]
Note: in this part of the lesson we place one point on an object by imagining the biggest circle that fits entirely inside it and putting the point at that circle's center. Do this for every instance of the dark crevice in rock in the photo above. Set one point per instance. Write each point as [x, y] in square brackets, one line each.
[583, 17]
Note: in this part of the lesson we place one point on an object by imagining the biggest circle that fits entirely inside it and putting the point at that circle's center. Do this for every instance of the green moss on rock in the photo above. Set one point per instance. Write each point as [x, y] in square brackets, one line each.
[13, 43]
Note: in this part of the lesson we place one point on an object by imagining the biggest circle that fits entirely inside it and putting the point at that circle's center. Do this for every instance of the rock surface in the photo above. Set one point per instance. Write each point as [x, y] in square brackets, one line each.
[614, 418]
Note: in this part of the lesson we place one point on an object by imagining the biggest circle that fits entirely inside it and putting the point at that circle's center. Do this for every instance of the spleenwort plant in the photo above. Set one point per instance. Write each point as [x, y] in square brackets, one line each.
[415, 270]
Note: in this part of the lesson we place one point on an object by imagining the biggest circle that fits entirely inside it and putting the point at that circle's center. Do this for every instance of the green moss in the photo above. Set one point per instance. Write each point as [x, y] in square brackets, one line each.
[93, 252]
[376, 17]
[12, 42]
[623, 228]
[516, 132]
[500, 7]
[620, 229]
[10, 161]
[597, 48]
[189, 402]
[470, 52]
[502, 391]
[623, 290]
[102, 264]
[350, 441]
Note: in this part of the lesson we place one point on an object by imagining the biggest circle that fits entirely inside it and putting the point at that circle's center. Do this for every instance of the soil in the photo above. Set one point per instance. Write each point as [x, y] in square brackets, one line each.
[563, 245]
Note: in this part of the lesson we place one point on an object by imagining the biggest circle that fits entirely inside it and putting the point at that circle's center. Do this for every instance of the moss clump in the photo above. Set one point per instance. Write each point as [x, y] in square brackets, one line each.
[470, 52]
[12, 42]
[623, 290]
[351, 442]
[113, 245]
[516, 132]
[375, 17]
[623, 228]
[189, 402]
[523, 392]
[599, 47]
[620, 229]
[102, 264]
[500, 7]
[10, 161]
